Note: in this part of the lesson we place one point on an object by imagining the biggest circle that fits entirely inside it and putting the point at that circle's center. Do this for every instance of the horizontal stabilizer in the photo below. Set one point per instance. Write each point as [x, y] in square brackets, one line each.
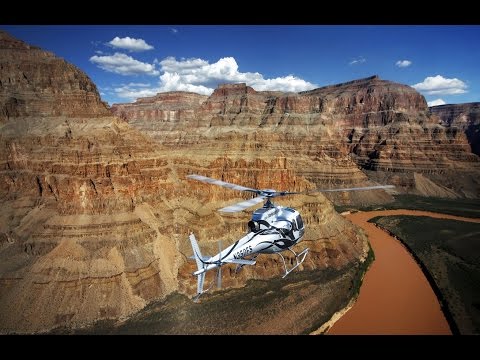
[241, 261]
[204, 258]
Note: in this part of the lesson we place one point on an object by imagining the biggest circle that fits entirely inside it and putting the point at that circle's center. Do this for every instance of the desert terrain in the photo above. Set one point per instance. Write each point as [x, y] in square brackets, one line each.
[97, 207]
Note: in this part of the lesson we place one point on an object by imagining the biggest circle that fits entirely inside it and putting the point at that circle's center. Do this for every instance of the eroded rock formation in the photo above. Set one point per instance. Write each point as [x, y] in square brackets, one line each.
[96, 214]
[464, 117]
[339, 135]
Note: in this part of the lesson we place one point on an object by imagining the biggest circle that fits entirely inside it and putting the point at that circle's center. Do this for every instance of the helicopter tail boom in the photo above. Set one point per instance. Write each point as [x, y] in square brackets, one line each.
[205, 264]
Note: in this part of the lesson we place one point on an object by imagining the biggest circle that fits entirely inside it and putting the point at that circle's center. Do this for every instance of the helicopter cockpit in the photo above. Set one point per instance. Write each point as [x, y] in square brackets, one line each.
[285, 219]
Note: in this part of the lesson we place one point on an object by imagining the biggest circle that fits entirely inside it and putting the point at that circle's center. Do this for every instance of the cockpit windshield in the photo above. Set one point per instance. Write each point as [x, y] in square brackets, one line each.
[299, 222]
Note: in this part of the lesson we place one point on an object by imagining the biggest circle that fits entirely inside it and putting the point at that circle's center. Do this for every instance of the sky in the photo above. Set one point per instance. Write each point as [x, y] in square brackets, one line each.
[127, 61]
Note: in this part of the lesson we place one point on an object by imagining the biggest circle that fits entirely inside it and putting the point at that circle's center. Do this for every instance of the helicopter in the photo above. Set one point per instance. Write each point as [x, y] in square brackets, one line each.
[272, 230]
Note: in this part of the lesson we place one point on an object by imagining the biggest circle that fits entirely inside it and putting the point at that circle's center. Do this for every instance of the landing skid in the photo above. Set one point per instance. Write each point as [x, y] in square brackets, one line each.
[239, 267]
[299, 258]
[303, 254]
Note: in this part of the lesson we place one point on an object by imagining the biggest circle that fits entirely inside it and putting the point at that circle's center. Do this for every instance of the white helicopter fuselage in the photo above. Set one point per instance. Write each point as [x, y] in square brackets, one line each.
[273, 229]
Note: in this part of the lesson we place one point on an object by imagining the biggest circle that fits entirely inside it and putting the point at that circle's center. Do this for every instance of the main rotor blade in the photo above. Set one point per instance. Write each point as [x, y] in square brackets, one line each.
[221, 183]
[242, 205]
[283, 193]
[376, 187]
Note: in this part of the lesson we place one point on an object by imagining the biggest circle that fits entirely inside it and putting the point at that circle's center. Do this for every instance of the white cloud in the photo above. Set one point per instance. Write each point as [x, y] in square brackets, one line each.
[124, 65]
[359, 60]
[438, 85]
[436, 102]
[132, 91]
[403, 63]
[130, 44]
[173, 30]
[137, 84]
[170, 64]
[175, 82]
[199, 76]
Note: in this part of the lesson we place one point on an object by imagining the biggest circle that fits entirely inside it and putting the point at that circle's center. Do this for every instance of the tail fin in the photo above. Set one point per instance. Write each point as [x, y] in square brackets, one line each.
[196, 252]
[199, 259]
[200, 281]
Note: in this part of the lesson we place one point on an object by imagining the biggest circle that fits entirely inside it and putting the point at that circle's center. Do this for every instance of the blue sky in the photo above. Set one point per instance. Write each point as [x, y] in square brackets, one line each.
[126, 62]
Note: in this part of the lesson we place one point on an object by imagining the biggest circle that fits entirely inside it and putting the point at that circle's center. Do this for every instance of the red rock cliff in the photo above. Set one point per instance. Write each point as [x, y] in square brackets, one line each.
[464, 117]
[96, 215]
[36, 83]
[335, 135]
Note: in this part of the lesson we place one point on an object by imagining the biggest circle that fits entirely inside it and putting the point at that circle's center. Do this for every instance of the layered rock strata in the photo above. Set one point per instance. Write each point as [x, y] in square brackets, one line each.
[96, 215]
[463, 117]
[336, 136]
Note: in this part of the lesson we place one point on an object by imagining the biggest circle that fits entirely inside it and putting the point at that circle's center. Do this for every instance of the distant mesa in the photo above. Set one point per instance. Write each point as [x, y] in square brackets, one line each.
[362, 81]
[382, 128]
[174, 98]
[233, 89]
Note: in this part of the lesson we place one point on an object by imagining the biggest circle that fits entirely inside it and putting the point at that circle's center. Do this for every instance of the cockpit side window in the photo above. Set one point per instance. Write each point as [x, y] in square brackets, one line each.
[299, 222]
[253, 226]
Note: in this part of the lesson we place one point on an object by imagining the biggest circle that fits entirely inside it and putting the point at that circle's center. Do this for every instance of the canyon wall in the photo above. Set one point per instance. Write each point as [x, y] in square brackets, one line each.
[463, 117]
[351, 134]
[96, 213]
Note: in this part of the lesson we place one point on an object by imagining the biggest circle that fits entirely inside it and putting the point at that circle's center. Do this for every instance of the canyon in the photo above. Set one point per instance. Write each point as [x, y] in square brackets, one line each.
[463, 117]
[96, 213]
[97, 207]
[360, 132]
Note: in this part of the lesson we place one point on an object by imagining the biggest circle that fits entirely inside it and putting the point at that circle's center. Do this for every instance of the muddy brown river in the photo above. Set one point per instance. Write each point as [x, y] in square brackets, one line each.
[395, 297]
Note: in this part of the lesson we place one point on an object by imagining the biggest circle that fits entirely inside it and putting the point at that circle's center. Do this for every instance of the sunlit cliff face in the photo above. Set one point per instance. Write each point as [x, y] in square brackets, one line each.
[97, 214]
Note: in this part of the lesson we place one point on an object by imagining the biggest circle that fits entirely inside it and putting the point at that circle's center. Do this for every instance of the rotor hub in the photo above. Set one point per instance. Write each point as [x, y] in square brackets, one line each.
[268, 193]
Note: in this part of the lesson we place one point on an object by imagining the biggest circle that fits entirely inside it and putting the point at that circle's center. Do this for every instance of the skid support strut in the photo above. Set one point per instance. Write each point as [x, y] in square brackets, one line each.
[299, 258]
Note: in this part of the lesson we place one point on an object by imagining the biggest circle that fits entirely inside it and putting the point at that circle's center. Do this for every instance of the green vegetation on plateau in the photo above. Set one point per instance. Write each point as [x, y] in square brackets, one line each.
[450, 250]
[459, 207]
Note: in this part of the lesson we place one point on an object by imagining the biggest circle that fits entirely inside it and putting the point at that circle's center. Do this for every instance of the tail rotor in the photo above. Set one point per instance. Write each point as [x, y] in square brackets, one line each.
[219, 271]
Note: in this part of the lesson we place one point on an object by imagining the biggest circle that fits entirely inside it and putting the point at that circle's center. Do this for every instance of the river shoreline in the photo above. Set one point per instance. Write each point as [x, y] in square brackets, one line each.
[411, 305]
[443, 302]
